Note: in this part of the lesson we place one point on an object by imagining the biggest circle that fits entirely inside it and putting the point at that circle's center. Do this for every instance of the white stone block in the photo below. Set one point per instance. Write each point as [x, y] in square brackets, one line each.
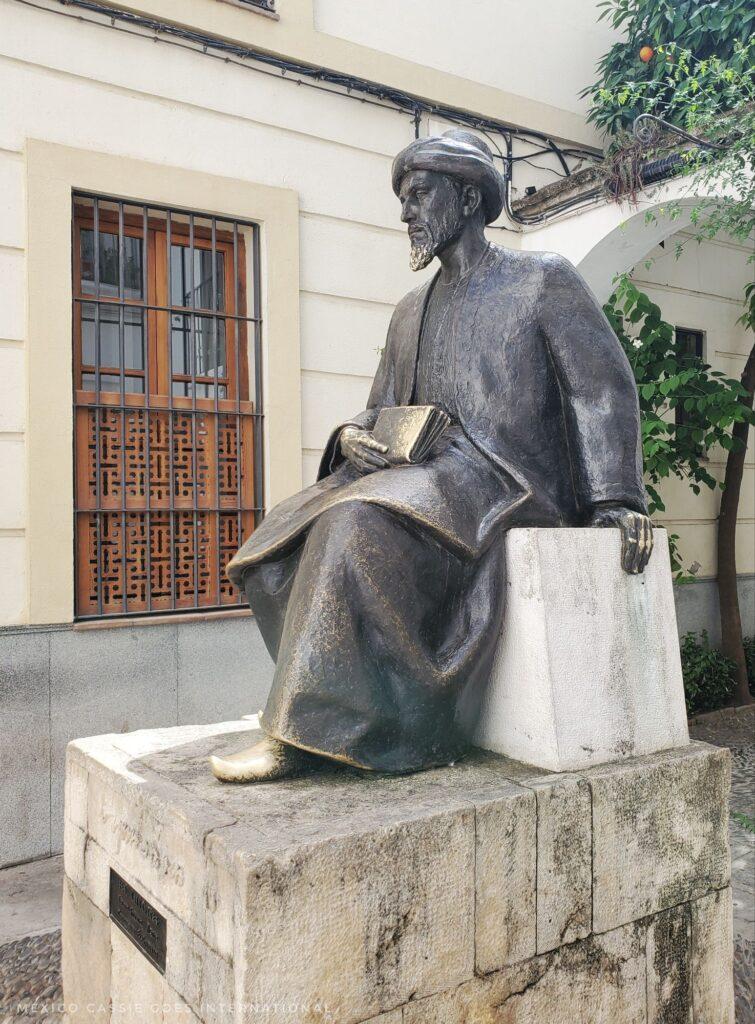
[587, 668]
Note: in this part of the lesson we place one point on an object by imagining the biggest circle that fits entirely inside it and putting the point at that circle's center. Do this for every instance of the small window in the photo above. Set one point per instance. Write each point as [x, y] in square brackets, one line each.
[167, 405]
[690, 346]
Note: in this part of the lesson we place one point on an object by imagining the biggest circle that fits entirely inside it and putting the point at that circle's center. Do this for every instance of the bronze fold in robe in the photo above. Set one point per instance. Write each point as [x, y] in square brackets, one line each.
[380, 596]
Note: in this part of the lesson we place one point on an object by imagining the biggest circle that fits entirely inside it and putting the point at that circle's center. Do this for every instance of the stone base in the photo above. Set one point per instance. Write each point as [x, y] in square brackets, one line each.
[587, 668]
[490, 891]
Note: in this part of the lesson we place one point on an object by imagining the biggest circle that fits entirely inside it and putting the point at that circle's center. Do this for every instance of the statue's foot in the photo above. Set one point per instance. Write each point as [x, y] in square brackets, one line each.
[264, 762]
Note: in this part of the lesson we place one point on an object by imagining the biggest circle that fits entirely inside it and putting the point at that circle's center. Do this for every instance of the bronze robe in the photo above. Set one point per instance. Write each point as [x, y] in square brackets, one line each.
[380, 597]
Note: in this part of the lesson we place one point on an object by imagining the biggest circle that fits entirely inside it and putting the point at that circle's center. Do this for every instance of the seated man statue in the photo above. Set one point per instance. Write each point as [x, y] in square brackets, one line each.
[379, 590]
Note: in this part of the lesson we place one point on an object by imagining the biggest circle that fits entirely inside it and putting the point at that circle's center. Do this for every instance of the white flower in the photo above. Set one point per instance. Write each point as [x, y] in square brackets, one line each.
[637, 343]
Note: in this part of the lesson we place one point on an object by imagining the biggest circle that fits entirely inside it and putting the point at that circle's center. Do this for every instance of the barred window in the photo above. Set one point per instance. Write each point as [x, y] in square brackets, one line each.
[167, 405]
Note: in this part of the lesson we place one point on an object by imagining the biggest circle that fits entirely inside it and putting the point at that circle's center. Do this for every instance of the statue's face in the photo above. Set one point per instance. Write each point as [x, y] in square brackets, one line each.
[432, 207]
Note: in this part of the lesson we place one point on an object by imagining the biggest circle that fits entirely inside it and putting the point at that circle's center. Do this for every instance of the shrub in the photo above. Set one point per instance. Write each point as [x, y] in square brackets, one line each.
[708, 674]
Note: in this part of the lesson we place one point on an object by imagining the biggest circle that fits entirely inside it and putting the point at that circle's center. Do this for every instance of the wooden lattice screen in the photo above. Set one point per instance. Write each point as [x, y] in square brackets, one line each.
[167, 405]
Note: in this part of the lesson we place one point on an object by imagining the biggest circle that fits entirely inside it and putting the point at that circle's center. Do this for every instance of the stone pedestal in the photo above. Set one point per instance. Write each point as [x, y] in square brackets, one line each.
[487, 891]
[587, 668]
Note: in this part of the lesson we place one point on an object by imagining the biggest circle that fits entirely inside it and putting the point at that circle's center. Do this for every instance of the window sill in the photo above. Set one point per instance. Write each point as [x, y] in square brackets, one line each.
[168, 619]
[252, 7]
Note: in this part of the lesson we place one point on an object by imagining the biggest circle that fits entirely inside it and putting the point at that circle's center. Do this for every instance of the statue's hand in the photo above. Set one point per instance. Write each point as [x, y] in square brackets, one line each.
[636, 534]
[362, 450]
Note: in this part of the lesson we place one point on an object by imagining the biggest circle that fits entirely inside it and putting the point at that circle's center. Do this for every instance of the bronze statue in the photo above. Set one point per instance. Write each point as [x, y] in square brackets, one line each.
[379, 590]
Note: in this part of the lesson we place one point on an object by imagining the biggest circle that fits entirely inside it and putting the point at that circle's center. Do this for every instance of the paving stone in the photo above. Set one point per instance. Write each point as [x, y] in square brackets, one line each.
[712, 951]
[31, 987]
[660, 833]
[506, 859]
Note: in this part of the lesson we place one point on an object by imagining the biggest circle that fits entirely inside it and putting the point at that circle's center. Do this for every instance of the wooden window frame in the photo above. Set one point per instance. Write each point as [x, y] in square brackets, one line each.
[156, 406]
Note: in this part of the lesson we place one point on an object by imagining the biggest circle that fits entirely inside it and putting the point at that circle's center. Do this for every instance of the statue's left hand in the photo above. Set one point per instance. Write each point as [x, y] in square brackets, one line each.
[636, 534]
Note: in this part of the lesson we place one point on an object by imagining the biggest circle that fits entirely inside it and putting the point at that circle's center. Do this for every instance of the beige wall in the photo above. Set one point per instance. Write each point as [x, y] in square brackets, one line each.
[94, 90]
[98, 91]
[545, 51]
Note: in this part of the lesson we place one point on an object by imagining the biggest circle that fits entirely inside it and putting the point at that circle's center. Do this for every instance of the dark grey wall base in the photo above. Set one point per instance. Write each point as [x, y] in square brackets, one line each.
[697, 607]
[58, 683]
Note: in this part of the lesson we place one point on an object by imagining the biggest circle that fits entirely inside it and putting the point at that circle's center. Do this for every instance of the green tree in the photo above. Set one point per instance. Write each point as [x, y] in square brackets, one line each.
[627, 85]
[669, 378]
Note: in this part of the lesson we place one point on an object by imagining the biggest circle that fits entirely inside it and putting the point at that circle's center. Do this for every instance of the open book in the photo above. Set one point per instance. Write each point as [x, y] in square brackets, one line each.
[409, 431]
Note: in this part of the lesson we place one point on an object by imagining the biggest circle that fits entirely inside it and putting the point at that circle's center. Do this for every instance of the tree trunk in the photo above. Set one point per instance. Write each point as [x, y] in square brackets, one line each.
[731, 622]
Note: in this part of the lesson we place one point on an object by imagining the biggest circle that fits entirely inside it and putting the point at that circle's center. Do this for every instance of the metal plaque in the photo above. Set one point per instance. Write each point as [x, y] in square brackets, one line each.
[137, 918]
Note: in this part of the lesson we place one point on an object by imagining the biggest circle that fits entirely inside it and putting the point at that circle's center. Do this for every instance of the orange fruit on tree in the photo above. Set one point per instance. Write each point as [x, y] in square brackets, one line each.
[646, 54]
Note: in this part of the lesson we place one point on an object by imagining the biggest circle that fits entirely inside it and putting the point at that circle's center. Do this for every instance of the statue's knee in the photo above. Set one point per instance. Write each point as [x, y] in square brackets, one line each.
[352, 526]
[264, 579]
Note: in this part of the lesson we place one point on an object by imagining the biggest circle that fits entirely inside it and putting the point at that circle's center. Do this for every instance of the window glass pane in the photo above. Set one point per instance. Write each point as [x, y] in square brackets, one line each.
[180, 339]
[210, 349]
[109, 264]
[112, 382]
[109, 327]
[133, 338]
[185, 389]
[181, 281]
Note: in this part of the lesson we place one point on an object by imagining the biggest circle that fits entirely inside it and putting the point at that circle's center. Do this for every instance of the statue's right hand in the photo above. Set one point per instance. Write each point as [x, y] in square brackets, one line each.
[362, 450]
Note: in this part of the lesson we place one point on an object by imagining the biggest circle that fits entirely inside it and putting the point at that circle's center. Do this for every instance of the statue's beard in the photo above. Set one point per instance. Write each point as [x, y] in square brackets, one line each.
[430, 242]
[421, 256]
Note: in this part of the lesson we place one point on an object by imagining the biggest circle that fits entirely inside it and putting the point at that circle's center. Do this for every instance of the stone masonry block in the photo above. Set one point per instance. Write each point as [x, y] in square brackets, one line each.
[506, 858]
[660, 832]
[363, 922]
[564, 852]
[86, 959]
[712, 954]
[604, 973]
[138, 991]
[669, 967]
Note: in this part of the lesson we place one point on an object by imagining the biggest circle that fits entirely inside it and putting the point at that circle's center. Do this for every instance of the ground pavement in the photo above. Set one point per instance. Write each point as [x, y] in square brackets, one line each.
[30, 897]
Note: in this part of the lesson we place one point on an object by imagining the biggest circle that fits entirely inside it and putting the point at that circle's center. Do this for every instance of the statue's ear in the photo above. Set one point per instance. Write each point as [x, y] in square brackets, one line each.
[471, 200]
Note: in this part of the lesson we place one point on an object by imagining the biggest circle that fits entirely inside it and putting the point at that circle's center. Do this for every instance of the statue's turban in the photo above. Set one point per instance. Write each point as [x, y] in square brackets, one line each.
[459, 154]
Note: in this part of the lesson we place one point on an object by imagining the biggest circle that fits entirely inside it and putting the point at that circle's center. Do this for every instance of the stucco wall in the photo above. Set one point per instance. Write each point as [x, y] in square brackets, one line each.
[542, 51]
[99, 90]
[96, 89]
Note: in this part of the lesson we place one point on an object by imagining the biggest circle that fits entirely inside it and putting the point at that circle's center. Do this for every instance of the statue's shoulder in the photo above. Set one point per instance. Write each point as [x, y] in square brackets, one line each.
[413, 298]
[411, 306]
[537, 265]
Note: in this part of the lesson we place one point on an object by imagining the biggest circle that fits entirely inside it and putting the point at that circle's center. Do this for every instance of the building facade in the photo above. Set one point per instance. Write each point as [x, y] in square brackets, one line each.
[199, 256]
